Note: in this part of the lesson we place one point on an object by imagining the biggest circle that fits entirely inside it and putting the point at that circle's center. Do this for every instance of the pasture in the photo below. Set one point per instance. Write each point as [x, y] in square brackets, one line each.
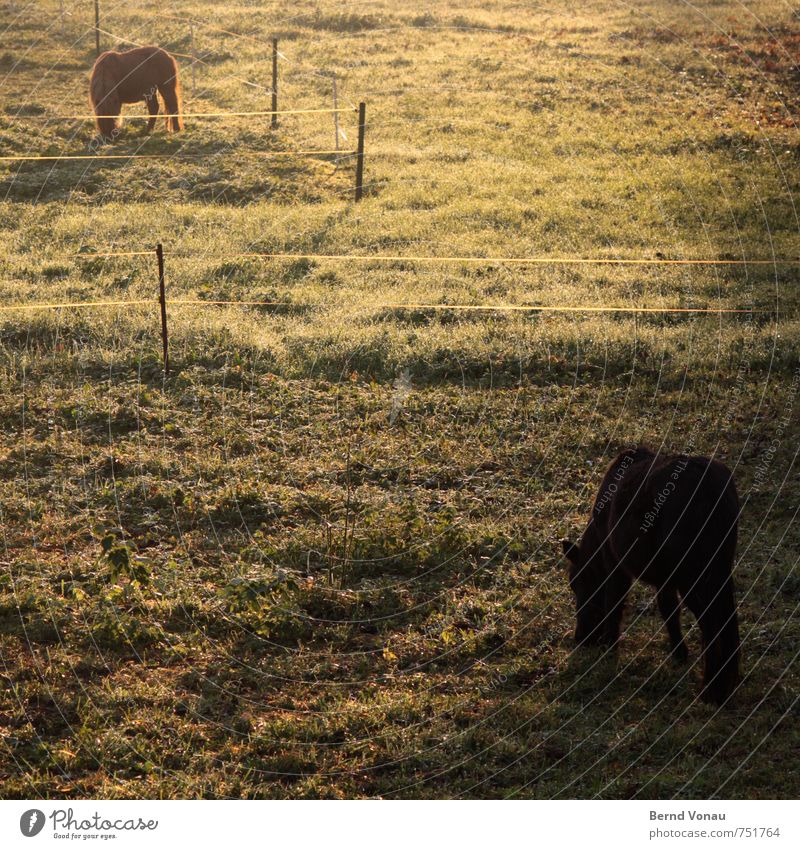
[321, 558]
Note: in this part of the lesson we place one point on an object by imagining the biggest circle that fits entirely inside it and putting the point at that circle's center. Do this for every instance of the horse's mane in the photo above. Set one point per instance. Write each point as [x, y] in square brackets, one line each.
[103, 94]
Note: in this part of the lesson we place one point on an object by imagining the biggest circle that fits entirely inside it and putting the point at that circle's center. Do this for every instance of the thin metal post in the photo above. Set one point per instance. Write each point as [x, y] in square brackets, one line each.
[97, 26]
[194, 58]
[362, 111]
[162, 297]
[274, 83]
[335, 114]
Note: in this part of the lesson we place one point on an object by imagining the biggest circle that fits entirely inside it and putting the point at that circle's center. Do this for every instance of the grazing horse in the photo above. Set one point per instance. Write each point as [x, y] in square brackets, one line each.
[670, 521]
[138, 74]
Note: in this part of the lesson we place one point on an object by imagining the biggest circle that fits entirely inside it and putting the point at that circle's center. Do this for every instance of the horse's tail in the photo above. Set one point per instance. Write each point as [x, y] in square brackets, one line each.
[103, 96]
[171, 92]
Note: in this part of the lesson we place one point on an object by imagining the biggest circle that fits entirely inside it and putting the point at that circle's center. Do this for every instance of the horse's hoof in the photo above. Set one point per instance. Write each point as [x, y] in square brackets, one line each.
[610, 651]
[720, 692]
[713, 696]
[680, 654]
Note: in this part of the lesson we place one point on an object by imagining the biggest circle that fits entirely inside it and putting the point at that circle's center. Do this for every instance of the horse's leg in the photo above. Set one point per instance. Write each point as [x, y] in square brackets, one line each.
[670, 608]
[715, 608]
[169, 91]
[152, 107]
[617, 585]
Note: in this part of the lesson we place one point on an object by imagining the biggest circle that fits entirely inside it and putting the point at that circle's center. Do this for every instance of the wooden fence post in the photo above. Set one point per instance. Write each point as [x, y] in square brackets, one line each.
[362, 110]
[97, 26]
[194, 57]
[274, 83]
[162, 297]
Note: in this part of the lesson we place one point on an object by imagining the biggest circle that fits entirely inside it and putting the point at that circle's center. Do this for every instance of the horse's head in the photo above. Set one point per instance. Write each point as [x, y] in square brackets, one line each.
[587, 584]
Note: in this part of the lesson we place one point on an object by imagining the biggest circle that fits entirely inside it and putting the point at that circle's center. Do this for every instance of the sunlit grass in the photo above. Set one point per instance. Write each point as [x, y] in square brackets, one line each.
[321, 559]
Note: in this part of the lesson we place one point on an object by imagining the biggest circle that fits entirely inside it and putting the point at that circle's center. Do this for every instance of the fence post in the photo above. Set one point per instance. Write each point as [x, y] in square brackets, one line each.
[162, 298]
[335, 114]
[362, 110]
[194, 57]
[274, 83]
[61, 9]
[97, 26]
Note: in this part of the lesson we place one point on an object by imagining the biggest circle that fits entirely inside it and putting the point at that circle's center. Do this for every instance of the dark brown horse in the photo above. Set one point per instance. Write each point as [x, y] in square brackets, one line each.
[139, 74]
[670, 521]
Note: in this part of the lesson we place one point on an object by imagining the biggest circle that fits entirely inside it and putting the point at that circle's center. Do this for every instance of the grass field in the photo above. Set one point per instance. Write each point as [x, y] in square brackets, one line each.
[321, 558]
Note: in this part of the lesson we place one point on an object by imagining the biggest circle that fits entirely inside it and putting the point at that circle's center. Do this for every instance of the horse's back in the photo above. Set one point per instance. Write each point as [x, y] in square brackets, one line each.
[701, 521]
[668, 510]
[698, 494]
[136, 55]
[150, 54]
[137, 71]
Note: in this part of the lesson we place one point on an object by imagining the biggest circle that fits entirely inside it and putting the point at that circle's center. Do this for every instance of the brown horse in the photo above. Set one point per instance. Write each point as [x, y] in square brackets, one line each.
[670, 521]
[138, 74]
